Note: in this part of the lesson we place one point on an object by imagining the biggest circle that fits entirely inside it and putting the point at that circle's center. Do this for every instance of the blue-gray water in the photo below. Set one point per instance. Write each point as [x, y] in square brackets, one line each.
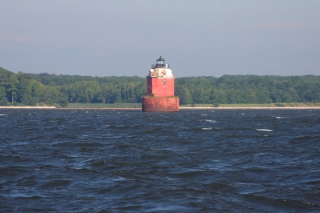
[190, 161]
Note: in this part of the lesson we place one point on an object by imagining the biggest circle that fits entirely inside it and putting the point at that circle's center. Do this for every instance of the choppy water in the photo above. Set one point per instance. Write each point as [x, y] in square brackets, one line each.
[190, 161]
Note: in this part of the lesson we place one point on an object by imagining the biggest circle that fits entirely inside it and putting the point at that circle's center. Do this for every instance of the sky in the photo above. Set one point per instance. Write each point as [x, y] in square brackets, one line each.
[197, 38]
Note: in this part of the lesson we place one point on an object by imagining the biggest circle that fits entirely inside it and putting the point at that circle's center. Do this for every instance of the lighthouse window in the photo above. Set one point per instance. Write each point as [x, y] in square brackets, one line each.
[164, 82]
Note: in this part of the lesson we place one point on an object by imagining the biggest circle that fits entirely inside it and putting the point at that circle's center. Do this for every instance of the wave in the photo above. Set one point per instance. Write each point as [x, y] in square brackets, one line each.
[23, 196]
[212, 121]
[206, 128]
[56, 183]
[183, 160]
[280, 202]
[264, 130]
[277, 117]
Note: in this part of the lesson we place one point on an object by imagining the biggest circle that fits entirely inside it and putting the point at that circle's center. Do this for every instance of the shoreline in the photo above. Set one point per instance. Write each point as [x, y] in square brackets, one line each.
[221, 108]
[135, 109]
[28, 107]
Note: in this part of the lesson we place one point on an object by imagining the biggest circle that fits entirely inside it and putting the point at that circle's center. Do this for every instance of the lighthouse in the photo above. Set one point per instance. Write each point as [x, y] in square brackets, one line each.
[160, 89]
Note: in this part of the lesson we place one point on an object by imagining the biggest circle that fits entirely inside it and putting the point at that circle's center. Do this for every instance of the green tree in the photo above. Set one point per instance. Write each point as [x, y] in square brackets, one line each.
[12, 87]
[184, 94]
[3, 101]
[28, 100]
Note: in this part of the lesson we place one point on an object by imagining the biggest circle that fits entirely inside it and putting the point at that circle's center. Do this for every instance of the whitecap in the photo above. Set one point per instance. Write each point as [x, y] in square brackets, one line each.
[3, 114]
[210, 121]
[277, 117]
[119, 178]
[208, 128]
[264, 130]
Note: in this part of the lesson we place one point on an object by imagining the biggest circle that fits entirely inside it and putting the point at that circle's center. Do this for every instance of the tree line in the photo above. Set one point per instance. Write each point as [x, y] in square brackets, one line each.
[249, 89]
[49, 89]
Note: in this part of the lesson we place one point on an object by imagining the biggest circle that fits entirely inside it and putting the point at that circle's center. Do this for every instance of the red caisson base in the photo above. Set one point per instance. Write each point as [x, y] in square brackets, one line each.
[160, 104]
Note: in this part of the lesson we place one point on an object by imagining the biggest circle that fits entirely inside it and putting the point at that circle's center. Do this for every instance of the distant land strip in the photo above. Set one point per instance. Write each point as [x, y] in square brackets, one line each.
[28, 107]
[99, 109]
[275, 107]
[182, 108]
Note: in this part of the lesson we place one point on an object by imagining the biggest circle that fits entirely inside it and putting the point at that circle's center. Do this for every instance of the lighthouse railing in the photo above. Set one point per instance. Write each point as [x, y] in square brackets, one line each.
[166, 66]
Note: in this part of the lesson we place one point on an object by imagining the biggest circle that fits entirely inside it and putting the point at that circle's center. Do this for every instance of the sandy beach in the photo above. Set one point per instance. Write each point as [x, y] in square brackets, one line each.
[219, 108]
[135, 109]
[28, 107]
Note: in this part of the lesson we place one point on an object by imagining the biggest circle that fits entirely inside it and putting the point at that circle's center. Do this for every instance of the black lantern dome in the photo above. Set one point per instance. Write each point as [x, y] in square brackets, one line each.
[160, 63]
[160, 60]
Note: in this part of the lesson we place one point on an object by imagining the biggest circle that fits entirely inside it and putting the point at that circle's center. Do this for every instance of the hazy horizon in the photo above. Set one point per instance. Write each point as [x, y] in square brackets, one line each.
[123, 38]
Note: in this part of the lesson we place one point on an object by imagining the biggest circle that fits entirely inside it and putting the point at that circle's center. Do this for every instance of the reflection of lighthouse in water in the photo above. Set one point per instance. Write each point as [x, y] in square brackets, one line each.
[160, 89]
